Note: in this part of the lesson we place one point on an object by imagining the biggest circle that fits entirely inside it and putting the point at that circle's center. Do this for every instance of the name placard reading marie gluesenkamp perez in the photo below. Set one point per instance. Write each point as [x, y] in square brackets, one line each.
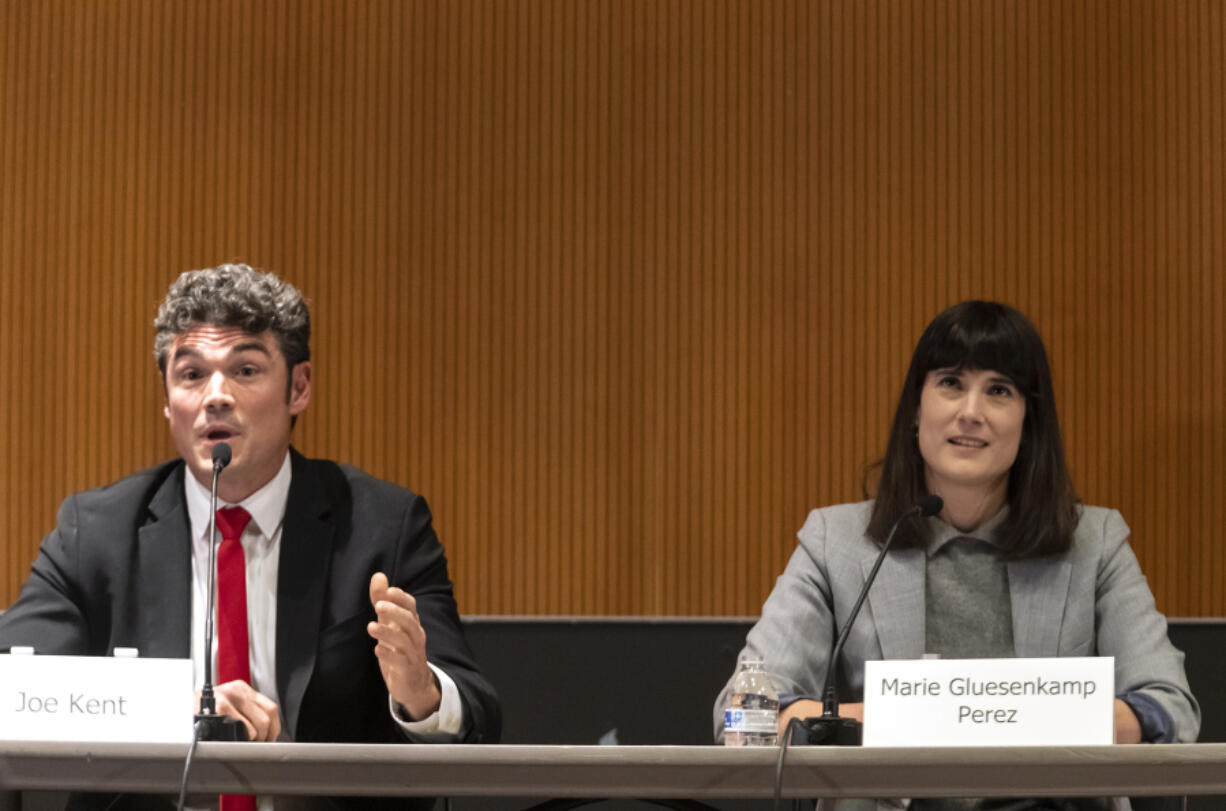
[95, 698]
[1000, 702]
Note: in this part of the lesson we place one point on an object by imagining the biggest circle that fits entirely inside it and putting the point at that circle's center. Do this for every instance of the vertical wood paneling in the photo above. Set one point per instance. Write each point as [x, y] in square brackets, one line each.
[624, 288]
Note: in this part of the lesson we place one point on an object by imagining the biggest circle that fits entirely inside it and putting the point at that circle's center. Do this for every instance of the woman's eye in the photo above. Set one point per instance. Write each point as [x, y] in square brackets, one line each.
[950, 381]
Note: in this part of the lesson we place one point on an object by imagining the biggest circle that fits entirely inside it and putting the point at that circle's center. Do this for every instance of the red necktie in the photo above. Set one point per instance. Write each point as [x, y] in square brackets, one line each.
[232, 660]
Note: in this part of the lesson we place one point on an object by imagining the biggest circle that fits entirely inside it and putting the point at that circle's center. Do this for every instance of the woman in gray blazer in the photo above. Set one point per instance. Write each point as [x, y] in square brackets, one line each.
[1012, 566]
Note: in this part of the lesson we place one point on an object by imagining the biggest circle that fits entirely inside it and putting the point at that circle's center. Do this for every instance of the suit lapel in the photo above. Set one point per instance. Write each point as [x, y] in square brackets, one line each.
[306, 550]
[897, 602]
[166, 574]
[1038, 591]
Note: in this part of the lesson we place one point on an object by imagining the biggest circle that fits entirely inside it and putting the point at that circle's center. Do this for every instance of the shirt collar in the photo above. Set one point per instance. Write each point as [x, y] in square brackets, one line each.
[943, 533]
[266, 505]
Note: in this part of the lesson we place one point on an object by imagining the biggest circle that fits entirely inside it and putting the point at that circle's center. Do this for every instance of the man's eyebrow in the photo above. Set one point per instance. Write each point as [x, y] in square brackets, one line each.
[249, 346]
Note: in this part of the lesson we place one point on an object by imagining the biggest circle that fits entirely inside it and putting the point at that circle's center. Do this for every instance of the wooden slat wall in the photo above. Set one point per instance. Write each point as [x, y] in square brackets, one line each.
[624, 286]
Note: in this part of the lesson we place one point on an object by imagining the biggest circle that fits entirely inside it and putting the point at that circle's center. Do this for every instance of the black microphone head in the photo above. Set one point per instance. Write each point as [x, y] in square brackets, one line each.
[930, 505]
[222, 454]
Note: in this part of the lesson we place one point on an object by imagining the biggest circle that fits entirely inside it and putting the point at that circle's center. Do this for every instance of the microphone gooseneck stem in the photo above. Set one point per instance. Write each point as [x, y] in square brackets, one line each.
[208, 704]
[209, 725]
[830, 698]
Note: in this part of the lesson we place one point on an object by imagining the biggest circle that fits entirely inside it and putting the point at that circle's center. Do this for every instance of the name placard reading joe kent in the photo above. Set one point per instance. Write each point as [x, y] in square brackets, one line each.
[993, 702]
[95, 698]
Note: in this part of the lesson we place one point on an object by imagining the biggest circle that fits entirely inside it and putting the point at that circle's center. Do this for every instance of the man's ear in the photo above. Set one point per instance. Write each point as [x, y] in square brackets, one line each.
[165, 398]
[299, 387]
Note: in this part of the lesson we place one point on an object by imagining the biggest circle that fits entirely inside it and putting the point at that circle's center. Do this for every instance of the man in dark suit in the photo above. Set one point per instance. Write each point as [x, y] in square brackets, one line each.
[351, 628]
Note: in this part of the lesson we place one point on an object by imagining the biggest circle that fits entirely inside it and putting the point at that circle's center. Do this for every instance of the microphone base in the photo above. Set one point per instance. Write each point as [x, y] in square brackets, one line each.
[827, 731]
[213, 727]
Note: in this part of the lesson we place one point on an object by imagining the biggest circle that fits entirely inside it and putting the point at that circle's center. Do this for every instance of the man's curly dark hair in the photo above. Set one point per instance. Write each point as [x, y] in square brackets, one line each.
[234, 296]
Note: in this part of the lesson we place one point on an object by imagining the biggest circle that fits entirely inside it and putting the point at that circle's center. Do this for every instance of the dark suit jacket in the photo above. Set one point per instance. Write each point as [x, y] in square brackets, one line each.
[116, 573]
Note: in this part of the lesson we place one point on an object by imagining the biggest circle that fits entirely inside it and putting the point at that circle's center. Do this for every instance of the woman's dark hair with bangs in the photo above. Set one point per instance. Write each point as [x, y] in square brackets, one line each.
[985, 335]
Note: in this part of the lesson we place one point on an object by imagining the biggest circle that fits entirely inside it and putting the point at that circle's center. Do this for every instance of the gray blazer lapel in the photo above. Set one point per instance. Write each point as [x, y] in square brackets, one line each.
[897, 602]
[164, 549]
[1038, 590]
[306, 553]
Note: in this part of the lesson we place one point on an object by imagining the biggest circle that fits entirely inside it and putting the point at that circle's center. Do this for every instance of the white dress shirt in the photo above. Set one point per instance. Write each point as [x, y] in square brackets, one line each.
[262, 546]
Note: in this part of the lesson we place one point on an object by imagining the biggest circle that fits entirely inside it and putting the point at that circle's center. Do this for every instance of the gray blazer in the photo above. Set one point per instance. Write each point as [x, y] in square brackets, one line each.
[1091, 601]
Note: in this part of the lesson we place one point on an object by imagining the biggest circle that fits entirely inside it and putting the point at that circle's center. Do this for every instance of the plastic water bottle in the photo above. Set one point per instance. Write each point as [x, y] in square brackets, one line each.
[752, 715]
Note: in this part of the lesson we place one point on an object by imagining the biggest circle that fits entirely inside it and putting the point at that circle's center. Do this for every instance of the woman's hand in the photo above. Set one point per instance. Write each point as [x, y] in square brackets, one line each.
[1127, 727]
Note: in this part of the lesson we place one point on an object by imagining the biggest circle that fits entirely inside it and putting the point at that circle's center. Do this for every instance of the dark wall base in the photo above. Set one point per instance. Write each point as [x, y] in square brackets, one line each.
[654, 681]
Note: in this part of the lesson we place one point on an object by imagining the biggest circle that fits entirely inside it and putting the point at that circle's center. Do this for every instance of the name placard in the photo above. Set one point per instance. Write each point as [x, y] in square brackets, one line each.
[95, 698]
[990, 702]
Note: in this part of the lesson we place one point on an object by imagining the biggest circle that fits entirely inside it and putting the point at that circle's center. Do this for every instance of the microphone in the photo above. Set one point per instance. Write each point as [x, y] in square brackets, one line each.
[829, 728]
[221, 460]
[209, 725]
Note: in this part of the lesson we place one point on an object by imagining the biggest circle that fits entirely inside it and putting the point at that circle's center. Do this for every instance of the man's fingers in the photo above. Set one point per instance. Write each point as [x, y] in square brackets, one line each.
[378, 587]
[400, 612]
[401, 648]
[262, 720]
[399, 627]
[258, 712]
[398, 597]
[226, 708]
[397, 624]
[395, 637]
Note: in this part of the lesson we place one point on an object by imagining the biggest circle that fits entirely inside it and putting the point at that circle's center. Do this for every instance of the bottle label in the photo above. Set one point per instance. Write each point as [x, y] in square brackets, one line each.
[753, 721]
